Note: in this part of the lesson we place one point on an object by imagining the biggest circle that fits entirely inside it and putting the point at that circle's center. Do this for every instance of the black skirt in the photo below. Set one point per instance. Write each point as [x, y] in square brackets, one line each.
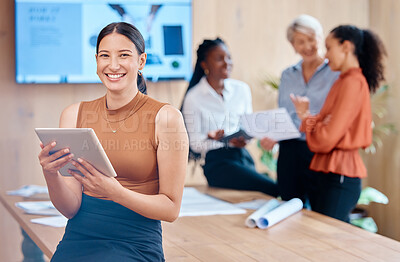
[103, 230]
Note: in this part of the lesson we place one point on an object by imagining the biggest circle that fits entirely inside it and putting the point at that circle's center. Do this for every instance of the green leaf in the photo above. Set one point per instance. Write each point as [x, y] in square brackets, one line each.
[268, 158]
[378, 102]
[272, 81]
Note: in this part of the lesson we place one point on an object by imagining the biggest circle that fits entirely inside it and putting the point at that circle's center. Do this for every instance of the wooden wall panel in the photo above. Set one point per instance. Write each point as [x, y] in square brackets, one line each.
[384, 167]
[255, 34]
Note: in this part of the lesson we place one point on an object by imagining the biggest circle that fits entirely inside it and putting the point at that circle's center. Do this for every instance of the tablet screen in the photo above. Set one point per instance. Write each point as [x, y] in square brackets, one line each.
[82, 142]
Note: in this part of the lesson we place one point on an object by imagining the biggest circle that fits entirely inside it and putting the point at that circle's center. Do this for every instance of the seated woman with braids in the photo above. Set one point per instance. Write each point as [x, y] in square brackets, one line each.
[212, 107]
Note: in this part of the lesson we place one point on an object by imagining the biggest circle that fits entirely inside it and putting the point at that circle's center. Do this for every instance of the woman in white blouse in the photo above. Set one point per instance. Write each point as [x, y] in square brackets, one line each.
[212, 107]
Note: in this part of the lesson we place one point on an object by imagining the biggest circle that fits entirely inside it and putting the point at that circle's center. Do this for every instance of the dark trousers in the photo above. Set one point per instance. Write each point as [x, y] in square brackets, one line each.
[234, 168]
[30, 250]
[329, 194]
[293, 173]
[334, 195]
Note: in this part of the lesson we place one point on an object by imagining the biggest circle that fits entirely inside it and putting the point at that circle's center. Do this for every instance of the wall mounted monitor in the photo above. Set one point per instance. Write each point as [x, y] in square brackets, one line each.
[56, 39]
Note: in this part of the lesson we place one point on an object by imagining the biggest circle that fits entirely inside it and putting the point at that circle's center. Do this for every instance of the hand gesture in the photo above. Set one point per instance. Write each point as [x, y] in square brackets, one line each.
[216, 134]
[302, 105]
[52, 163]
[94, 181]
[238, 142]
[267, 144]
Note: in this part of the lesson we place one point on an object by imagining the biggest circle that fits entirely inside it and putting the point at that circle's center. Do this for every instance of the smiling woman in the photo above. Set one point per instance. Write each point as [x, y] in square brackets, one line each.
[119, 218]
[310, 77]
[120, 51]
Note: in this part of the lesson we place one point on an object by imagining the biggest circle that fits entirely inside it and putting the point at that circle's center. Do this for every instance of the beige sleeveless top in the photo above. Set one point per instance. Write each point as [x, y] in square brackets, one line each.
[127, 135]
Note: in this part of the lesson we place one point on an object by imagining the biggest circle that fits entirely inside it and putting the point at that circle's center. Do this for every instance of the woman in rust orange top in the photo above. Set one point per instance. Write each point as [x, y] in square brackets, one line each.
[343, 125]
[118, 219]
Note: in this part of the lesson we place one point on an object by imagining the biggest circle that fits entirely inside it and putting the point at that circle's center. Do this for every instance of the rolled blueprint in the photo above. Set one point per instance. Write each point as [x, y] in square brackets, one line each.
[283, 211]
[251, 221]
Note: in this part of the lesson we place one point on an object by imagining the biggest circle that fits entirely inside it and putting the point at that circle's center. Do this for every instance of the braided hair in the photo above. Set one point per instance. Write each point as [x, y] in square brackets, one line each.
[202, 53]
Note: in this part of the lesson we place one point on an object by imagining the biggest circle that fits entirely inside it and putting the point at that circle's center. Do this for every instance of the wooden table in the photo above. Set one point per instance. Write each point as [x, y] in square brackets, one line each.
[305, 236]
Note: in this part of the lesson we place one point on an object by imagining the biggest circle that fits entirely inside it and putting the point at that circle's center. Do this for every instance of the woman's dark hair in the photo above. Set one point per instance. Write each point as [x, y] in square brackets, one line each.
[133, 34]
[368, 49]
[202, 53]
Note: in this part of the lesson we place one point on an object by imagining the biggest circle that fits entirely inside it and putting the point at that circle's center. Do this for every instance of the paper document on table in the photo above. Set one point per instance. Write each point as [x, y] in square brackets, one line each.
[252, 204]
[34, 205]
[28, 190]
[44, 208]
[195, 203]
[56, 221]
[275, 124]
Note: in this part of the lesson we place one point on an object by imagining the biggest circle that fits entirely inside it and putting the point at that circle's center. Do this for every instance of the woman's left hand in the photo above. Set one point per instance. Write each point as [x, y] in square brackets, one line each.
[94, 181]
[302, 105]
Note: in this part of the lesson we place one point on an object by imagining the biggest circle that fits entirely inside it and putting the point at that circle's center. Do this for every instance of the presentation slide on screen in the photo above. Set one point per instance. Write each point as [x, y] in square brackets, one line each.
[56, 40]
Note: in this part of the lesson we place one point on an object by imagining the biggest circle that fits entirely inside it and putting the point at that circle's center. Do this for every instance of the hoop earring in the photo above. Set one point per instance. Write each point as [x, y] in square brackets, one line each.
[139, 72]
[206, 71]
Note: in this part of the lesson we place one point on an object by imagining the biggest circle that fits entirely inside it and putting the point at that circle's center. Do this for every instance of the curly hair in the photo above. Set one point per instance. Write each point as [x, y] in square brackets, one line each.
[368, 49]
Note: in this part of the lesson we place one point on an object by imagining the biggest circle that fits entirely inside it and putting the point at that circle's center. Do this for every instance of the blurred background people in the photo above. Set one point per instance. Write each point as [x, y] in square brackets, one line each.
[344, 124]
[310, 77]
[212, 107]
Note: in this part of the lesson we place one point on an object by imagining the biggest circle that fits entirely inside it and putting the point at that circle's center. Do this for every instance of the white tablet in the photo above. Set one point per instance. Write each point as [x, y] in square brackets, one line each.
[82, 142]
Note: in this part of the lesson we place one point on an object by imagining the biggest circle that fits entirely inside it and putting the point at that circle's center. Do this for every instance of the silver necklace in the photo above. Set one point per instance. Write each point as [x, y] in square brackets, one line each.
[123, 120]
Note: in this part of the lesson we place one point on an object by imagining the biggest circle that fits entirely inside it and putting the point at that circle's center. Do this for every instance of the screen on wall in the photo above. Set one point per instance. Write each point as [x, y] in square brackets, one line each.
[56, 40]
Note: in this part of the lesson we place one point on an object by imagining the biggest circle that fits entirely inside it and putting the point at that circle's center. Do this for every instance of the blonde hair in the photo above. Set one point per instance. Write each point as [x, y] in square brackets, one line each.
[305, 24]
